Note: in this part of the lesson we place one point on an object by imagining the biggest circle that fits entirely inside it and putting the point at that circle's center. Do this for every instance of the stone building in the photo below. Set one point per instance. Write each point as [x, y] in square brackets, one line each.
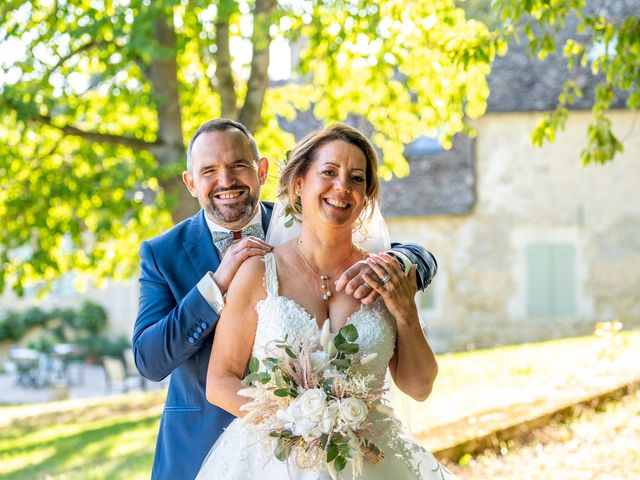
[531, 245]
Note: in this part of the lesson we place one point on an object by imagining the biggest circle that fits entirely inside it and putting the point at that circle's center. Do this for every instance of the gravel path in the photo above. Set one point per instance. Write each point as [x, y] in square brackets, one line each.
[601, 445]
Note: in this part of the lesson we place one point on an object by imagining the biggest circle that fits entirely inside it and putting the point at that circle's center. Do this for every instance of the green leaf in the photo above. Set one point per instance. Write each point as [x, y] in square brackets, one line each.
[338, 340]
[254, 364]
[349, 332]
[270, 362]
[283, 450]
[249, 379]
[347, 450]
[282, 392]
[339, 438]
[340, 462]
[328, 384]
[342, 363]
[289, 352]
[349, 348]
[332, 452]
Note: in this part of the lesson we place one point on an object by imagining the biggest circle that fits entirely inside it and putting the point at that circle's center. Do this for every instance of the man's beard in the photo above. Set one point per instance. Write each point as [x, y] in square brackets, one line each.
[231, 214]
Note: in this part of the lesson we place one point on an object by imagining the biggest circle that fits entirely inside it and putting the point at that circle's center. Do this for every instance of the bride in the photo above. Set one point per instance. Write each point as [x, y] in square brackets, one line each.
[330, 184]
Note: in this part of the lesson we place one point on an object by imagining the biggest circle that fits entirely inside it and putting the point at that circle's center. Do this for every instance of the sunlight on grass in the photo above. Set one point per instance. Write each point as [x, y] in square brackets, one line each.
[114, 438]
[470, 383]
[18, 462]
[596, 444]
[118, 446]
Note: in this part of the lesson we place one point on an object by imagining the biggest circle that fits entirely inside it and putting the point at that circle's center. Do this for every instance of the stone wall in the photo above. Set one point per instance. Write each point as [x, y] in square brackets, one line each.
[530, 195]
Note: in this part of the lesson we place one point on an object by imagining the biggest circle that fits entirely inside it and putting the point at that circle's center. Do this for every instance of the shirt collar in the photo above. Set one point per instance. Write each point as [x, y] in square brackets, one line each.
[214, 227]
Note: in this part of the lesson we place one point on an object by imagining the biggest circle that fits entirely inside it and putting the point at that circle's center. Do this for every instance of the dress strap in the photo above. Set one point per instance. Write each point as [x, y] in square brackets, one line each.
[270, 274]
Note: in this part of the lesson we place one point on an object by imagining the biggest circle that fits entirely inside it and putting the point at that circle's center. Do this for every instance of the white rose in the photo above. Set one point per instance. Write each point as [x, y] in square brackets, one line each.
[319, 360]
[305, 416]
[353, 411]
[329, 417]
[306, 428]
[312, 402]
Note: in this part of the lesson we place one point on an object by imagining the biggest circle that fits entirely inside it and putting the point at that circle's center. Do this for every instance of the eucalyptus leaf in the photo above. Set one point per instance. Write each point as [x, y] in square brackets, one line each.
[254, 364]
[349, 332]
[342, 363]
[349, 348]
[271, 362]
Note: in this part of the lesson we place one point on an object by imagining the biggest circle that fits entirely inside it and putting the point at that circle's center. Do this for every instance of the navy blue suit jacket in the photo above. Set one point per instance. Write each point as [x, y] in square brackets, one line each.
[172, 335]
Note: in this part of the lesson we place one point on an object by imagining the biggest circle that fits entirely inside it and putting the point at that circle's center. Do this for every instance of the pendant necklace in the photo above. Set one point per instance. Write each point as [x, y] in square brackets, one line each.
[324, 277]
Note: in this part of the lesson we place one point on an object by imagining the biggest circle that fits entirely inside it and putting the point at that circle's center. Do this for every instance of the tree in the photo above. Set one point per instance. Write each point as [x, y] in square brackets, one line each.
[98, 98]
[606, 39]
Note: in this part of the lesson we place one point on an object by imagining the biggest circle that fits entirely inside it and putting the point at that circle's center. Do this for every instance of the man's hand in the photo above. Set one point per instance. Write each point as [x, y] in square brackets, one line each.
[233, 258]
[353, 283]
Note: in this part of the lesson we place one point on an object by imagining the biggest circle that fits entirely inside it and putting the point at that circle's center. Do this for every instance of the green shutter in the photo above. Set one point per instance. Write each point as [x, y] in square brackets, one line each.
[427, 299]
[551, 280]
[563, 280]
[538, 297]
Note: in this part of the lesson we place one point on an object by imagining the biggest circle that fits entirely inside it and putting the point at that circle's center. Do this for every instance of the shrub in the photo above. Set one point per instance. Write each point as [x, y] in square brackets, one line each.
[91, 318]
[97, 346]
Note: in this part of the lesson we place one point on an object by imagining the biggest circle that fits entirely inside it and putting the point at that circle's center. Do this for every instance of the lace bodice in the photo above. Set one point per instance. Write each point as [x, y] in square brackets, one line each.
[278, 315]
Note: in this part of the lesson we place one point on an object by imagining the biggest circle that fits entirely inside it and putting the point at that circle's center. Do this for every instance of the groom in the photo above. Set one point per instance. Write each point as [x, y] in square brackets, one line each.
[185, 273]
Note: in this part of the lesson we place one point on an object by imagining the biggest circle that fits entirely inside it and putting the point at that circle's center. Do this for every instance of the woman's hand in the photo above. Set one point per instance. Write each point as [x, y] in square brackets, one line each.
[397, 289]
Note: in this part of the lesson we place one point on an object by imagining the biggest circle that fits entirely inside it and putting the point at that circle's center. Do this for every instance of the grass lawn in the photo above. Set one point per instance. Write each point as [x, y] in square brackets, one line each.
[113, 438]
[474, 385]
[110, 439]
[596, 445]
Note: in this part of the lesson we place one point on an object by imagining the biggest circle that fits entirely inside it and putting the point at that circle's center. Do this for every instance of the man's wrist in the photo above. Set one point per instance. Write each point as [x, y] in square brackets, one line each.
[403, 261]
[210, 291]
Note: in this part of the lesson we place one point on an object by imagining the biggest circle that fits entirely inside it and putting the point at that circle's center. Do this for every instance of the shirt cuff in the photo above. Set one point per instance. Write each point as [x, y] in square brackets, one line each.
[209, 289]
[403, 260]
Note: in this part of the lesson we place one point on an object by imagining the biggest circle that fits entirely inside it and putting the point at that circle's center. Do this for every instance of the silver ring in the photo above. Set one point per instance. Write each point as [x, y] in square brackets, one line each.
[385, 279]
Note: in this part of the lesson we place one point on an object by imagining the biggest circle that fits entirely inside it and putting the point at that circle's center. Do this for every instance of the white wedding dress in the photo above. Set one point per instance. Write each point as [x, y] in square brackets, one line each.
[240, 455]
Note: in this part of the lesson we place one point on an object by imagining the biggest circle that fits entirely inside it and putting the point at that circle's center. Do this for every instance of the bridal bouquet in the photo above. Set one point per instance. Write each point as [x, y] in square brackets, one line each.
[314, 404]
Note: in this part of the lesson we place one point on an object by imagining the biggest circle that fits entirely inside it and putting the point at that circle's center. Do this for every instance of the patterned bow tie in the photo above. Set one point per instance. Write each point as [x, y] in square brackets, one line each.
[223, 240]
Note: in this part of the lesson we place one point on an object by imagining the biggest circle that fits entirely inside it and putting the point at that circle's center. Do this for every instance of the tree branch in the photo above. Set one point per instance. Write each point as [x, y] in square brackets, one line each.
[133, 143]
[259, 79]
[61, 61]
[224, 75]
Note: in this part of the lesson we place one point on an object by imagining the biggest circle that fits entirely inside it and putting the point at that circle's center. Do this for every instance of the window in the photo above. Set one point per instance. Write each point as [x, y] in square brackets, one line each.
[551, 288]
[426, 299]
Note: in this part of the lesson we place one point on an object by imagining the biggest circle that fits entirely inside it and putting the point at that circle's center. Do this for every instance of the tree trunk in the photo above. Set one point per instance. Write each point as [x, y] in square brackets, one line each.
[163, 75]
[251, 112]
[226, 87]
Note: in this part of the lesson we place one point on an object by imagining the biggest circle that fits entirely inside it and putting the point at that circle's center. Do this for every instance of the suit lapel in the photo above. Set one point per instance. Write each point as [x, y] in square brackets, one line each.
[199, 246]
[267, 210]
